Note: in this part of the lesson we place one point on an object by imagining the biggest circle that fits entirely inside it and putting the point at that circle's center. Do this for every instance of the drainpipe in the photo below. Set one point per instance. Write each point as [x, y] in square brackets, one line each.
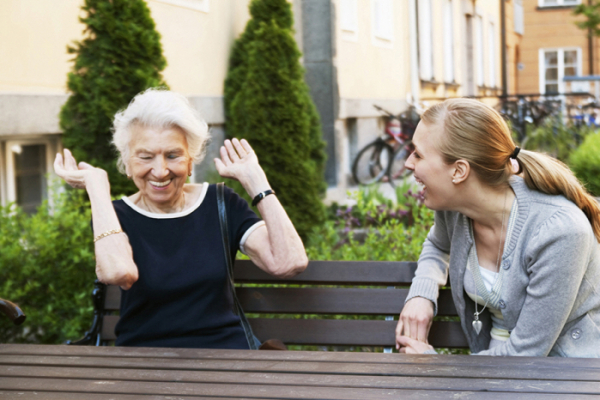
[503, 48]
[591, 47]
[415, 83]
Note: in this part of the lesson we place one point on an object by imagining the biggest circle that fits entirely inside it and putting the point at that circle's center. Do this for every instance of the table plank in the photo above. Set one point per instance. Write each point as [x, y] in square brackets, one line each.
[324, 367]
[41, 395]
[324, 380]
[248, 391]
[312, 356]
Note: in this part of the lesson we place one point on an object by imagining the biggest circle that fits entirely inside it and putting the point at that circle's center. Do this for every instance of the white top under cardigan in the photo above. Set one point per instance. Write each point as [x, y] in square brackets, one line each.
[550, 293]
[485, 286]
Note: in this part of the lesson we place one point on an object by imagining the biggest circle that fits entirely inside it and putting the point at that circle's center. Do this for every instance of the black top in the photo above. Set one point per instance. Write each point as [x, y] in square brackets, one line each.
[181, 298]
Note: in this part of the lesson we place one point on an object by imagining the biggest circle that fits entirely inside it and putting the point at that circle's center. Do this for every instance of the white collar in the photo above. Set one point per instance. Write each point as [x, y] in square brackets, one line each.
[180, 214]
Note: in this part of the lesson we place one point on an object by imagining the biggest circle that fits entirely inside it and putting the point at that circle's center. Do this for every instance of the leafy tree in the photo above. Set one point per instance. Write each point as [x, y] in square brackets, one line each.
[268, 102]
[591, 14]
[120, 56]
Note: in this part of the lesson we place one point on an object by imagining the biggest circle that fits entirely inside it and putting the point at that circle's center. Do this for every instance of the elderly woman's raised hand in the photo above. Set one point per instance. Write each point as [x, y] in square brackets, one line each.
[238, 161]
[78, 176]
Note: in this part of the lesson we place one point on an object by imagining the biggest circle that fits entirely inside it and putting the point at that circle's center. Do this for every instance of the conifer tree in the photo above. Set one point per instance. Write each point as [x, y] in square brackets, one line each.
[268, 102]
[120, 56]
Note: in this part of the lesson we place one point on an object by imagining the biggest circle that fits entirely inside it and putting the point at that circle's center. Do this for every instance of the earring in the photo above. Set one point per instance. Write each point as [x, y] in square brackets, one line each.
[453, 180]
[128, 176]
[190, 173]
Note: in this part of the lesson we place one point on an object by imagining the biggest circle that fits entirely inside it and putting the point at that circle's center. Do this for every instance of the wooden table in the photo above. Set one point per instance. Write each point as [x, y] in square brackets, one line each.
[78, 372]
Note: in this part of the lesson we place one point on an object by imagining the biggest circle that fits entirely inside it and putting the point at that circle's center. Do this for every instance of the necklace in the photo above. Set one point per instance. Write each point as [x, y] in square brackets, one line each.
[476, 322]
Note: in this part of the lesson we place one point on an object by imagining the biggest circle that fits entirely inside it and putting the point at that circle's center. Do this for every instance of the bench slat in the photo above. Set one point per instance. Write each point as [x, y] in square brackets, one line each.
[332, 301]
[332, 332]
[316, 301]
[112, 299]
[384, 273]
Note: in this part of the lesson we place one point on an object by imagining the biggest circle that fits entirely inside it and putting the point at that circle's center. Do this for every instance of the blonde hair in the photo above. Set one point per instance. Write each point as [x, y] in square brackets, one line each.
[478, 134]
[160, 108]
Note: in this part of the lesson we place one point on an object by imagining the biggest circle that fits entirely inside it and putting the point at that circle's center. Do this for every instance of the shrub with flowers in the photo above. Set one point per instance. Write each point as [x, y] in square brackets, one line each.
[375, 228]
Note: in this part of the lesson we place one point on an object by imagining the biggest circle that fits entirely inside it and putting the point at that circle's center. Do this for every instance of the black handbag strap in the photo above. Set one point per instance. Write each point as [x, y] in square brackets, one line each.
[225, 237]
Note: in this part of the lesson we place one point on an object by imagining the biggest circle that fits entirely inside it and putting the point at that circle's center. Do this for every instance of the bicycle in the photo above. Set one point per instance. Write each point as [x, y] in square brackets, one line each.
[385, 157]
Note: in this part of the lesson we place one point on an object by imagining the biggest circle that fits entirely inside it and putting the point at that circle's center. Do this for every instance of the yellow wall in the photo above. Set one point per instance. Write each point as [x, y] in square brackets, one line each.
[197, 44]
[371, 68]
[34, 35]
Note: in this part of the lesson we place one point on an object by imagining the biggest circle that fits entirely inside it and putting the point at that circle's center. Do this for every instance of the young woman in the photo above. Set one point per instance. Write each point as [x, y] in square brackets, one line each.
[516, 232]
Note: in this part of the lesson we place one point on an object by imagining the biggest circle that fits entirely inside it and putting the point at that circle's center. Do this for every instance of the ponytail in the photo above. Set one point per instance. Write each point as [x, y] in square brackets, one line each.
[548, 175]
[475, 132]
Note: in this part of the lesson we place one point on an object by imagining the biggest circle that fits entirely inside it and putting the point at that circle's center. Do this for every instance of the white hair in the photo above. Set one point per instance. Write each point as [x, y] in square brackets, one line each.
[160, 108]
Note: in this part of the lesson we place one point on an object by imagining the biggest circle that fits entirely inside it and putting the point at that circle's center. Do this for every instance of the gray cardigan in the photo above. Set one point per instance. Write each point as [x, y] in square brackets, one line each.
[551, 290]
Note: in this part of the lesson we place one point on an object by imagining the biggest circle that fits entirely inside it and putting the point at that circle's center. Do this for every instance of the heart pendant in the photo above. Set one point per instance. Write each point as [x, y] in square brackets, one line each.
[477, 326]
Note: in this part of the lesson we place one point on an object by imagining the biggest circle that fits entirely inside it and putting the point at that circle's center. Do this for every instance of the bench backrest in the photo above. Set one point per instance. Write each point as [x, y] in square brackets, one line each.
[361, 289]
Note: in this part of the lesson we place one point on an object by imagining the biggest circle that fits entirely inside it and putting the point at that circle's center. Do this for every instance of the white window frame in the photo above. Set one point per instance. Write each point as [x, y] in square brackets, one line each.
[9, 162]
[479, 51]
[198, 5]
[449, 76]
[349, 19]
[425, 39]
[519, 17]
[559, 3]
[561, 69]
[382, 29]
[491, 54]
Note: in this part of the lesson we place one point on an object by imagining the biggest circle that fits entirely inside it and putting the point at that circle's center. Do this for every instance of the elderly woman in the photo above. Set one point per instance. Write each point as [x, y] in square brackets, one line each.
[520, 244]
[163, 244]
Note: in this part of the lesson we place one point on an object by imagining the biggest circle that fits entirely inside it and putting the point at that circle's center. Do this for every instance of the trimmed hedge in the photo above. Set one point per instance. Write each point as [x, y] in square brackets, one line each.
[268, 103]
[120, 57]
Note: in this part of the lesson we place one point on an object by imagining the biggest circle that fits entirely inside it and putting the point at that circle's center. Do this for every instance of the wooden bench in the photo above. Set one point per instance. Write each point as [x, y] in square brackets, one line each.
[12, 311]
[350, 288]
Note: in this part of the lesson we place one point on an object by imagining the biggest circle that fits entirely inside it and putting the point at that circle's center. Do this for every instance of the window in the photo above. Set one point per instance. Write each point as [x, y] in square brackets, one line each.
[349, 19]
[424, 28]
[519, 17]
[198, 5]
[492, 55]
[382, 19]
[448, 43]
[27, 164]
[557, 3]
[555, 64]
[479, 50]
[349, 15]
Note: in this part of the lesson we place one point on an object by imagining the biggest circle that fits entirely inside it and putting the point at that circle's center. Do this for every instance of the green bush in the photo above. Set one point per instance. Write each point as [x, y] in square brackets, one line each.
[376, 228]
[47, 268]
[268, 103]
[120, 57]
[555, 138]
[585, 163]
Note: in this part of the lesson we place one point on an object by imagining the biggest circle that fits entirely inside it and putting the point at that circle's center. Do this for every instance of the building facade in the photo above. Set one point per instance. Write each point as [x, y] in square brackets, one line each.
[356, 53]
[553, 47]
[196, 37]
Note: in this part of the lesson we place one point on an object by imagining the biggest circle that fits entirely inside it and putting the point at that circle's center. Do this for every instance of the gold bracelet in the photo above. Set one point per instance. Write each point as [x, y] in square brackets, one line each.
[107, 233]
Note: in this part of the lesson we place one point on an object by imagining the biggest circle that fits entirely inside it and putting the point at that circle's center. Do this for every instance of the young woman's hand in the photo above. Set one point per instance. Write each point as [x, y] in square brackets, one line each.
[78, 176]
[415, 320]
[238, 161]
[411, 346]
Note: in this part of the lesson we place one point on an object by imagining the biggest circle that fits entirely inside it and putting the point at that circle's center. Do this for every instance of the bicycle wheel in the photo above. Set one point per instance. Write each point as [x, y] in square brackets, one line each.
[372, 162]
[398, 171]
